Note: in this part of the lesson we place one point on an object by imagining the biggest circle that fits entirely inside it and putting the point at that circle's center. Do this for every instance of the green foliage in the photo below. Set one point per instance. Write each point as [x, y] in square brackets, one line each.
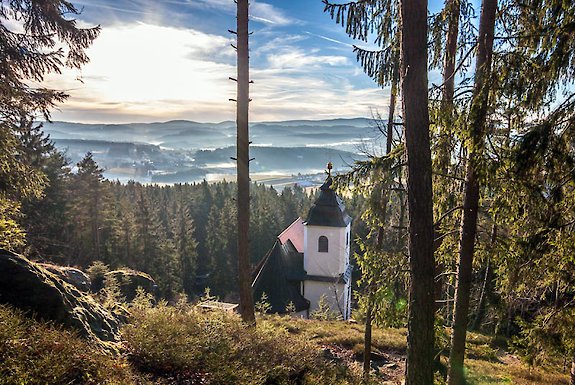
[97, 272]
[111, 295]
[548, 338]
[262, 306]
[324, 311]
[46, 41]
[290, 308]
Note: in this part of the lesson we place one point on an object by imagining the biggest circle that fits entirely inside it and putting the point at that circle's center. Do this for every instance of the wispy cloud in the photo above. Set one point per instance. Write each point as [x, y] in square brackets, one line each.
[299, 59]
[269, 14]
[329, 39]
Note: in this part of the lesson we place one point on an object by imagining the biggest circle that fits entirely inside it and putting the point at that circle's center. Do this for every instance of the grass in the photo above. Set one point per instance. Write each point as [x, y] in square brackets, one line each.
[215, 347]
[32, 352]
[178, 345]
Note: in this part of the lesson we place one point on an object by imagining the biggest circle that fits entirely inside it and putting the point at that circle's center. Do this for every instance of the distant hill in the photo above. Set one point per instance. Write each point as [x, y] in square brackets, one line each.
[181, 150]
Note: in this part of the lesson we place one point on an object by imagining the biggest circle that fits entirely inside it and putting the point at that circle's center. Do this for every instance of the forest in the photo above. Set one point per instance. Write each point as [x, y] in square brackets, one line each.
[465, 225]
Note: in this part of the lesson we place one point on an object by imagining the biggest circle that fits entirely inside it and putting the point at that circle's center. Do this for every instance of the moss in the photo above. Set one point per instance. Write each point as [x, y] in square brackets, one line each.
[29, 287]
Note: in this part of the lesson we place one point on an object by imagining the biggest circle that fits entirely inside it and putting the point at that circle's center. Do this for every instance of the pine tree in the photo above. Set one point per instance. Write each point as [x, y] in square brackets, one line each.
[27, 56]
[477, 123]
[87, 198]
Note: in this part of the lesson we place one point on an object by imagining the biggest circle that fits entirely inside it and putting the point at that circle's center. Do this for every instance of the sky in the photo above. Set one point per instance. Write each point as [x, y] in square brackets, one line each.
[160, 60]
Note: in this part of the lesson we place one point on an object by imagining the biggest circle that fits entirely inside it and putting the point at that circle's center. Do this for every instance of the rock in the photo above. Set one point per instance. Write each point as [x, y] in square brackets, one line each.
[130, 280]
[71, 275]
[30, 287]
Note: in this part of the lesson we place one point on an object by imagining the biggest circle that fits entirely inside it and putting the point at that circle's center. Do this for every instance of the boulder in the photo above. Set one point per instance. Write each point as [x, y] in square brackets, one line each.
[32, 288]
[71, 275]
[130, 280]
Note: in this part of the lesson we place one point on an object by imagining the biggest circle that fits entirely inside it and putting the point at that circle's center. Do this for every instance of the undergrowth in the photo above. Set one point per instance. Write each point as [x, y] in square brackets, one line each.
[168, 345]
[33, 352]
[184, 343]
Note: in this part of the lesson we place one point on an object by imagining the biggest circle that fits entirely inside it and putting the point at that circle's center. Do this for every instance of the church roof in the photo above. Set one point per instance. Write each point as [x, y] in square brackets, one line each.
[328, 209]
[293, 233]
[279, 277]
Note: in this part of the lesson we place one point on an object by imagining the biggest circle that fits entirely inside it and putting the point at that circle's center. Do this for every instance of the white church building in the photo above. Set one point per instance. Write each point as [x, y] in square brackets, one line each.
[310, 260]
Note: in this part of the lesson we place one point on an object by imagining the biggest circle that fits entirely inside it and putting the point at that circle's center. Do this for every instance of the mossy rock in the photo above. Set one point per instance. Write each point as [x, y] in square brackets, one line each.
[71, 275]
[31, 288]
[130, 280]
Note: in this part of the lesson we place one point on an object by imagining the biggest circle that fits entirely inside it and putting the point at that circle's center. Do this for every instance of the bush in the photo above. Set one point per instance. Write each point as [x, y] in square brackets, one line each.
[215, 347]
[32, 352]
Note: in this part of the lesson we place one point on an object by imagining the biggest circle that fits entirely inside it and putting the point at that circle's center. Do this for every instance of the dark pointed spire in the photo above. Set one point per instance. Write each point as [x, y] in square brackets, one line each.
[328, 209]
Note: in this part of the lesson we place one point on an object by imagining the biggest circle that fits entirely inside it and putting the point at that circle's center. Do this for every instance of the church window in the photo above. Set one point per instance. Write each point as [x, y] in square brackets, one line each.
[322, 244]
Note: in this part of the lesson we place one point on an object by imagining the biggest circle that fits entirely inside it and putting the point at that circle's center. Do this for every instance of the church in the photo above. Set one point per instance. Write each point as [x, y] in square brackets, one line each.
[310, 260]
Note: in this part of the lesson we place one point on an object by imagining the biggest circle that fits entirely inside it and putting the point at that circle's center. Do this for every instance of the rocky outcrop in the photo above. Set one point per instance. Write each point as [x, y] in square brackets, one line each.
[30, 287]
[130, 280]
[71, 275]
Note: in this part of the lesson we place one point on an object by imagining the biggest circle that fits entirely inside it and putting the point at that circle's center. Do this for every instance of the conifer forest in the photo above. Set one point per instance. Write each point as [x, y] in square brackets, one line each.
[461, 247]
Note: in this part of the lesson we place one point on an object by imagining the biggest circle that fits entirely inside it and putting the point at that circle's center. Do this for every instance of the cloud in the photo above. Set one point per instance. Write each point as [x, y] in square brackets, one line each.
[269, 14]
[299, 59]
[259, 11]
[144, 67]
[143, 72]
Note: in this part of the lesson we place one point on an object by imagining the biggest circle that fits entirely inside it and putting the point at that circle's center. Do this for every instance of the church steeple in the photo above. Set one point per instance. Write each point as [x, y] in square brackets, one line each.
[328, 209]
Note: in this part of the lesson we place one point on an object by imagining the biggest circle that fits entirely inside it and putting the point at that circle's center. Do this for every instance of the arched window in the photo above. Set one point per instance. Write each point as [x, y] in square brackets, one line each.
[322, 244]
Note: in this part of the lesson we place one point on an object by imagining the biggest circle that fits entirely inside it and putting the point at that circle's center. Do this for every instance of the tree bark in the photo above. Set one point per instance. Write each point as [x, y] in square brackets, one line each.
[445, 138]
[243, 177]
[572, 374]
[477, 124]
[420, 339]
[487, 283]
[367, 339]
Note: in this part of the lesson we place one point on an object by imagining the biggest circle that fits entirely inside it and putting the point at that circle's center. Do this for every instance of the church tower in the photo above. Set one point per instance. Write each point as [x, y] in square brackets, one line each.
[327, 233]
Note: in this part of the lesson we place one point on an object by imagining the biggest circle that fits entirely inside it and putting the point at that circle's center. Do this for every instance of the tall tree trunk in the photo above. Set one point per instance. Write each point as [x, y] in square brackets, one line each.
[487, 283]
[477, 123]
[392, 100]
[445, 138]
[380, 233]
[414, 84]
[243, 91]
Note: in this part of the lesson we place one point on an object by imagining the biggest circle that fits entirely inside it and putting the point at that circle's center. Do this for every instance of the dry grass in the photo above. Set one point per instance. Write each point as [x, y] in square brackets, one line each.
[485, 364]
[172, 345]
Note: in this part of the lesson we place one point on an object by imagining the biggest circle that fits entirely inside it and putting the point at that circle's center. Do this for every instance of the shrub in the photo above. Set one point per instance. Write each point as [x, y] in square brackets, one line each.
[215, 347]
[32, 352]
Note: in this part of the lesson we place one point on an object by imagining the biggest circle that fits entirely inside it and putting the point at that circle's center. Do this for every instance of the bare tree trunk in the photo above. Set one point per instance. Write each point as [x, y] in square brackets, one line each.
[420, 338]
[477, 124]
[244, 270]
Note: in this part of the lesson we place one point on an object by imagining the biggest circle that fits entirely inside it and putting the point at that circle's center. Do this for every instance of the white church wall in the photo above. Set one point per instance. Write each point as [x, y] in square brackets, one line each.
[334, 262]
[335, 294]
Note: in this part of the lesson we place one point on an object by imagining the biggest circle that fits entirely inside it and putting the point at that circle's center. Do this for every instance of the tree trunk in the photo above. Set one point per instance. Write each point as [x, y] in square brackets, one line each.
[380, 233]
[367, 339]
[420, 339]
[487, 283]
[392, 100]
[243, 178]
[445, 137]
[477, 123]
[572, 374]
